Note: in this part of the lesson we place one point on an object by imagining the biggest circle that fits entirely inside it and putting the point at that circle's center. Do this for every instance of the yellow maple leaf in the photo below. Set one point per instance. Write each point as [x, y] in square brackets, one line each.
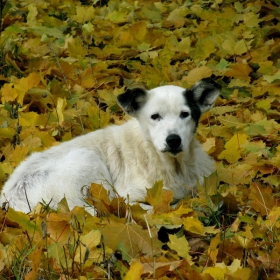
[117, 16]
[233, 148]
[9, 93]
[184, 45]
[215, 272]
[87, 78]
[139, 31]
[135, 271]
[60, 106]
[178, 16]
[243, 241]
[89, 243]
[266, 67]
[272, 78]
[197, 74]
[32, 13]
[203, 48]
[84, 14]
[235, 270]
[213, 248]
[233, 47]
[98, 118]
[76, 48]
[264, 104]
[209, 145]
[251, 19]
[181, 246]
[154, 194]
[247, 233]
[19, 154]
[26, 84]
[31, 118]
[193, 225]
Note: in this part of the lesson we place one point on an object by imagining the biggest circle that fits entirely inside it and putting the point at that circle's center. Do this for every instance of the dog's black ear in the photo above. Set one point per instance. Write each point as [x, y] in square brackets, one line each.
[205, 93]
[132, 100]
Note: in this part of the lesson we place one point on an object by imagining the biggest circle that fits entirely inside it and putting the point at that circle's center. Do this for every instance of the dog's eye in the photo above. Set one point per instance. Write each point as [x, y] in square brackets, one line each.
[155, 117]
[184, 114]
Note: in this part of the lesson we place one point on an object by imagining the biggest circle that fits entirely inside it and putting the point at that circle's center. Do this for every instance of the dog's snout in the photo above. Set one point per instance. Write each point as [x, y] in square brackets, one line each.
[173, 141]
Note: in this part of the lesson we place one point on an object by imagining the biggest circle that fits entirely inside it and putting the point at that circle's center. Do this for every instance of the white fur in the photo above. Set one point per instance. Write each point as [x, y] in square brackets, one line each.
[130, 157]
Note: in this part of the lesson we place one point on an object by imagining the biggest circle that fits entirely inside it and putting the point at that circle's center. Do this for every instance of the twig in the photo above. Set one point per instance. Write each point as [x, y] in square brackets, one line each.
[26, 197]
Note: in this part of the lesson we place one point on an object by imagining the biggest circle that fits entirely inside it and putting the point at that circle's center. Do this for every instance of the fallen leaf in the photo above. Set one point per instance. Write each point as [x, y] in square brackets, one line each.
[180, 245]
[130, 239]
[135, 271]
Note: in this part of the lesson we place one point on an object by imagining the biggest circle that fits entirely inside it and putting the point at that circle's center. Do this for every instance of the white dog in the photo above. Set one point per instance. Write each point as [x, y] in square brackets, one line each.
[158, 144]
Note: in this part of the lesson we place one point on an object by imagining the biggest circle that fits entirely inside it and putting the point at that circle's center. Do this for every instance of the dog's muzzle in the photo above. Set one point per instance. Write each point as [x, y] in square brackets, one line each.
[173, 142]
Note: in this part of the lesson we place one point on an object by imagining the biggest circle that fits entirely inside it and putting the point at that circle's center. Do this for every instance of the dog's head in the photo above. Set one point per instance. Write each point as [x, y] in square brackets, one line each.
[169, 115]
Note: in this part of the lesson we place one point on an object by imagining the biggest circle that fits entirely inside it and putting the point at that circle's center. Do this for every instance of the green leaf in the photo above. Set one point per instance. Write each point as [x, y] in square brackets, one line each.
[23, 220]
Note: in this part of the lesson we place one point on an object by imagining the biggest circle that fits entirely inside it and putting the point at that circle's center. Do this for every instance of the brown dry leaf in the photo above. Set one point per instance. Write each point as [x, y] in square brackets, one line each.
[159, 198]
[261, 198]
[240, 71]
[98, 197]
[36, 259]
[190, 272]
[160, 268]
[197, 246]
[130, 239]
[58, 226]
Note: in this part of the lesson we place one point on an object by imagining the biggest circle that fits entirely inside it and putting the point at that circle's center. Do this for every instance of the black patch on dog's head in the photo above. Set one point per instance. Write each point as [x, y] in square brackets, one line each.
[132, 100]
[201, 97]
[190, 101]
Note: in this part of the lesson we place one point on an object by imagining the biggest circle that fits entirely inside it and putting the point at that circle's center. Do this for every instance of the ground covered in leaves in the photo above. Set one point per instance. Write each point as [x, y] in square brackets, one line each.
[62, 64]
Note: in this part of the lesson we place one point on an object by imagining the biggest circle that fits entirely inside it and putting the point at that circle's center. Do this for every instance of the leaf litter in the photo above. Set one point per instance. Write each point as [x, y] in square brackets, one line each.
[62, 63]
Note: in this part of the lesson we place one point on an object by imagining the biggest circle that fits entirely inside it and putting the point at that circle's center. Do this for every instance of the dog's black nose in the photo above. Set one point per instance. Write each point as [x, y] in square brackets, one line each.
[173, 141]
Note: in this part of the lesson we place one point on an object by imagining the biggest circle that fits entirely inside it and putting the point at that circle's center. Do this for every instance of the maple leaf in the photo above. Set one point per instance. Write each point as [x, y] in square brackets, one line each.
[22, 220]
[197, 74]
[135, 271]
[195, 226]
[233, 148]
[130, 239]
[261, 199]
[84, 14]
[180, 245]
[159, 198]
[213, 248]
[240, 71]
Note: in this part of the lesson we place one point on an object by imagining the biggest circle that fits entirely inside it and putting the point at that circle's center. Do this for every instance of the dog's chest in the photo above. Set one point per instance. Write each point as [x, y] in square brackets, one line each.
[139, 177]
